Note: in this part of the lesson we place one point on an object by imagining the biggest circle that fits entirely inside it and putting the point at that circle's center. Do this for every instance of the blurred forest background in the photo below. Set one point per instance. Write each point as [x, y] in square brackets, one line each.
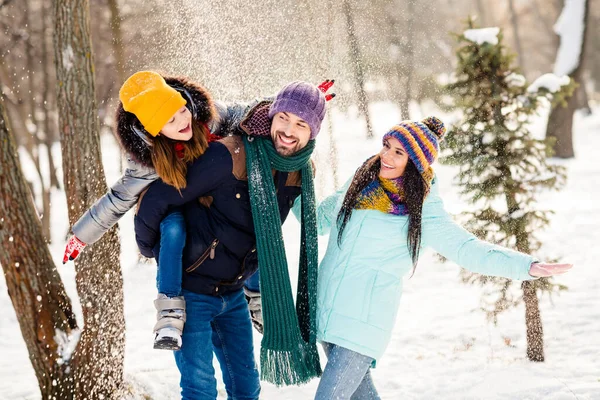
[397, 50]
[241, 49]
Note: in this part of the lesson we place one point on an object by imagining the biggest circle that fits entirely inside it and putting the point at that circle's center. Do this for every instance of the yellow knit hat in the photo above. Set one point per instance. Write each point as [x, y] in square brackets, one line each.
[147, 95]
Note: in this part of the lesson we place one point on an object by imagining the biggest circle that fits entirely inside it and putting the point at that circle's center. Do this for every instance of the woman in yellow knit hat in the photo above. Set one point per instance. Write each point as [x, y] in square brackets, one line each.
[162, 124]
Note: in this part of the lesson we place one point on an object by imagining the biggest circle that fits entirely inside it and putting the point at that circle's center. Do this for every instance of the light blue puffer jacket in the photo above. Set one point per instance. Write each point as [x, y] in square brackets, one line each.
[360, 283]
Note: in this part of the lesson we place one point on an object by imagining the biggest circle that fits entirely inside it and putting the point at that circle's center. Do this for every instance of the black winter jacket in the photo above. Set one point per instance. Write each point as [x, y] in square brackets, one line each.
[220, 252]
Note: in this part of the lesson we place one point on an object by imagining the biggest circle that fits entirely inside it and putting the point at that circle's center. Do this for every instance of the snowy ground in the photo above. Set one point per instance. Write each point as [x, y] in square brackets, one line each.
[442, 347]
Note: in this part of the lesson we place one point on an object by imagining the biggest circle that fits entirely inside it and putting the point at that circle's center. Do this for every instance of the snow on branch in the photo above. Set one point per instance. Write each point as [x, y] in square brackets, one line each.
[515, 80]
[569, 27]
[483, 35]
[550, 82]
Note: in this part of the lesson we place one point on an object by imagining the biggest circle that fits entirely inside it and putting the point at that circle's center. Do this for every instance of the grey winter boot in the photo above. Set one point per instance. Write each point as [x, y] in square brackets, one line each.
[170, 320]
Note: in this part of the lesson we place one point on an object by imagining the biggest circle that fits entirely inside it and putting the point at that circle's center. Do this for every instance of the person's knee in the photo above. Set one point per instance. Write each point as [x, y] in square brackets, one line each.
[172, 231]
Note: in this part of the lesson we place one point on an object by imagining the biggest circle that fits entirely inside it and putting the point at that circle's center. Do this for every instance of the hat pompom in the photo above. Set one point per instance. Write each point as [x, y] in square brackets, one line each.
[436, 126]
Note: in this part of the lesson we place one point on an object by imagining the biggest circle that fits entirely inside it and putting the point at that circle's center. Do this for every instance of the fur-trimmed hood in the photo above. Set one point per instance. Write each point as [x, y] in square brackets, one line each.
[199, 102]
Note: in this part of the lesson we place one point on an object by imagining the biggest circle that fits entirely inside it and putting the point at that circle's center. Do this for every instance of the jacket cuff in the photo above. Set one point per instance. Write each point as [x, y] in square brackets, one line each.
[523, 274]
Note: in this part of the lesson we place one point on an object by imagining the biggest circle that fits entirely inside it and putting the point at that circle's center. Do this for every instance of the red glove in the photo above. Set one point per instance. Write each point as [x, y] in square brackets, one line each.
[74, 247]
[324, 87]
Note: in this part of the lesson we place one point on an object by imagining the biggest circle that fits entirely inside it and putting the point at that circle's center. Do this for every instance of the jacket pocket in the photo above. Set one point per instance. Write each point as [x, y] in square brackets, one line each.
[209, 252]
[242, 272]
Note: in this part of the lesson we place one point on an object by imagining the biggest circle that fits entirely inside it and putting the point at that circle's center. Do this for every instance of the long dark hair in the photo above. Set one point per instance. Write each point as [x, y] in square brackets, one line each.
[415, 190]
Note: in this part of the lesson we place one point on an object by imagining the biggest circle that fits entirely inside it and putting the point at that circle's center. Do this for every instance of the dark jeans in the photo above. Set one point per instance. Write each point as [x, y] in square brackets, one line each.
[219, 325]
[170, 253]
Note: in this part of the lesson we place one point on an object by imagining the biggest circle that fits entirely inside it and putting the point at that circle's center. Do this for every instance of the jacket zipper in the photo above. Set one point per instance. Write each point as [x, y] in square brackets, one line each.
[210, 252]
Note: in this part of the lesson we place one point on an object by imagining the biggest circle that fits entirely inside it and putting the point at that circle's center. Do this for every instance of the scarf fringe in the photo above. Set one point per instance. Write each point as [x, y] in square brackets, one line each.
[284, 367]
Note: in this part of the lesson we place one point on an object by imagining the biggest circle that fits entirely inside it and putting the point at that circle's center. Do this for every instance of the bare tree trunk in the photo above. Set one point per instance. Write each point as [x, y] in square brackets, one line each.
[49, 127]
[45, 191]
[363, 104]
[115, 26]
[533, 321]
[30, 142]
[560, 121]
[408, 61]
[333, 153]
[533, 318]
[17, 113]
[99, 354]
[42, 307]
[560, 126]
[482, 13]
[548, 26]
[515, 25]
[118, 48]
[593, 51]
[583, 102]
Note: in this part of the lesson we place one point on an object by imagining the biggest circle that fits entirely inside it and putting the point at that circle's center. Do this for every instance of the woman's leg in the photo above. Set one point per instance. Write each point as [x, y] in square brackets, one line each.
[172, 241]
[366, 390]
[345, 375]
[170, 305]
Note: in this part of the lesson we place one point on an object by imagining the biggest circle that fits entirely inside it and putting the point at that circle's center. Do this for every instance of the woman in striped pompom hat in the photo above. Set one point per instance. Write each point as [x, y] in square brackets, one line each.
[378, 223]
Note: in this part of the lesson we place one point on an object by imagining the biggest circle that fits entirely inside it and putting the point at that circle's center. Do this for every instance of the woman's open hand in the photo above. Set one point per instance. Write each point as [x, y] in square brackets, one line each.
[541, 270]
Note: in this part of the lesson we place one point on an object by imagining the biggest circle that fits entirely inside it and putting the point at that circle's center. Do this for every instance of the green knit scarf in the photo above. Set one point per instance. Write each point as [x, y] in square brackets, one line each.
[288, 354]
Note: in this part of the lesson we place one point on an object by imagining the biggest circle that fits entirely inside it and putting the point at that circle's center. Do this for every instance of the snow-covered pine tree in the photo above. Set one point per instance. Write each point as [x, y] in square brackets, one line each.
[503, 168]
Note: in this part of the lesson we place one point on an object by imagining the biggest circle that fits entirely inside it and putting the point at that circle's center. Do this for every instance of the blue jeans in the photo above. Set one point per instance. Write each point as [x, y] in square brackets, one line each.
[253, 283]
[219, 325]
[346, 375]
[170, 253]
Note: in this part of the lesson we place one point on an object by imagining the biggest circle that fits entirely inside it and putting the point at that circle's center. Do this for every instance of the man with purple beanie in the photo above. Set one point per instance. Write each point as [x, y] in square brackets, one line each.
[247, 183]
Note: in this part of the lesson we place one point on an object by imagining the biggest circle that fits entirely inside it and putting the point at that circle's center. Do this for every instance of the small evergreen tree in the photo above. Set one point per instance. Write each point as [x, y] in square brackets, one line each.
[503, 168]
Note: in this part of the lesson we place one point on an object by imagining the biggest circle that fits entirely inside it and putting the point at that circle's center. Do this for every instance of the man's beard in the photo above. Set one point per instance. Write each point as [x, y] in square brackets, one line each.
[285, 150]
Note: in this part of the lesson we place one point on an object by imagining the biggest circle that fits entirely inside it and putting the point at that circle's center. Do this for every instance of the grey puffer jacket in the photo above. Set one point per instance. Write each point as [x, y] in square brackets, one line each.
[120, 198]
[221, 118]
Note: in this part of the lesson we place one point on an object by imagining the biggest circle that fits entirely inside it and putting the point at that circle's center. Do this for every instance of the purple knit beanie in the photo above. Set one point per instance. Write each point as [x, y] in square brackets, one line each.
[304, 100]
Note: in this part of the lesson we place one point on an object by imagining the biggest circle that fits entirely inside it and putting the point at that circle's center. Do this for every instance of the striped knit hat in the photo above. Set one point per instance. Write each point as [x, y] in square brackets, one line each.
[421, 141]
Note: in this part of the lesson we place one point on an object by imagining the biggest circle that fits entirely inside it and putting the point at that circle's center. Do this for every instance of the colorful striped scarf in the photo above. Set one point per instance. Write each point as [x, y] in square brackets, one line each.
[385, 195]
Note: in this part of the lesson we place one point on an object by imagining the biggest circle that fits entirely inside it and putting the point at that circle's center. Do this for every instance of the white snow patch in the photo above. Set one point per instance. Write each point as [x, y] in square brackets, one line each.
[518, 214]
[570, 27]
[515, 80]
[67, 57]
[549, 81]
[483, 35]
[66, 343]
[487, 138]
